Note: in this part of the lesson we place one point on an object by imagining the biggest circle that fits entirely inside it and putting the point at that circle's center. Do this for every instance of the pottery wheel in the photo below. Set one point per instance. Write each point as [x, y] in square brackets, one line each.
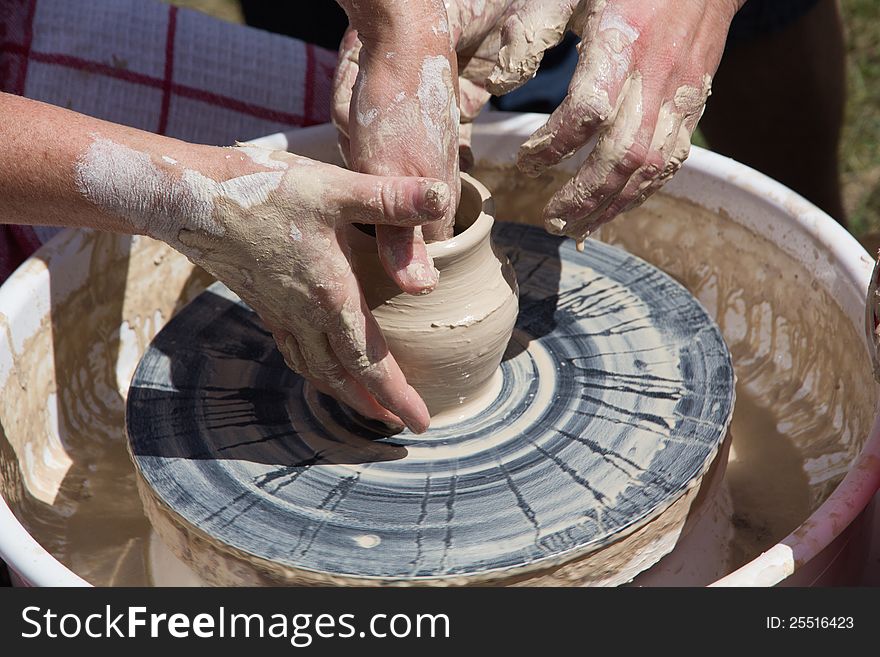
[612, 401]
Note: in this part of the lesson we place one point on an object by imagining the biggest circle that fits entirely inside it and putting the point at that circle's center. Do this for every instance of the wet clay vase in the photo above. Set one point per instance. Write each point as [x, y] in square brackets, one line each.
[449, 343]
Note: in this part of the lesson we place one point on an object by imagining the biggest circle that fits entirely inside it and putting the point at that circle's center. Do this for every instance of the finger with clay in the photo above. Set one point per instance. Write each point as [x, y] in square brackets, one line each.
[397, 113]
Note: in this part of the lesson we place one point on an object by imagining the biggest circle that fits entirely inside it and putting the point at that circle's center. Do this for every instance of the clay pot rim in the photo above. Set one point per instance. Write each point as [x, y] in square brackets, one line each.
[471, 236]
[466, 240]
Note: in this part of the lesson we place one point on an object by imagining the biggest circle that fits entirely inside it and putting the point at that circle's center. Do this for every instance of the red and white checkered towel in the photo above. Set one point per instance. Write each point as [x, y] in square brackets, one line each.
[155, 67]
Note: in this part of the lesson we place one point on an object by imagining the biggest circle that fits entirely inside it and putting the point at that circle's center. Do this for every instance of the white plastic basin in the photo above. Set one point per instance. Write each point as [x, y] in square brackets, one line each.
[786, 284]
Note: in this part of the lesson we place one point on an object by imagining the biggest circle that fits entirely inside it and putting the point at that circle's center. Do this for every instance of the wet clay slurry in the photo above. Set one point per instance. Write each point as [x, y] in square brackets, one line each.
[65, 463]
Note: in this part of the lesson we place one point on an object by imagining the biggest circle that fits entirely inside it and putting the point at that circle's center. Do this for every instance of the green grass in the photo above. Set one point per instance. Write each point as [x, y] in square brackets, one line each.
[860, 144]
[860, 147]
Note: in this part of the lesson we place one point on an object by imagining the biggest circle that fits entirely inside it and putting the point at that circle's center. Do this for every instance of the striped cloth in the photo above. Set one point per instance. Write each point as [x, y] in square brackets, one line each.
[152, 66]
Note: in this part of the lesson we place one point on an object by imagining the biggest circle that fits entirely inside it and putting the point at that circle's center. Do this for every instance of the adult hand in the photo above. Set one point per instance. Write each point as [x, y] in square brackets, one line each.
[275, 238]
[267, 223]
[642, 80]
[397, 114]
[641, 84]
[473, 28]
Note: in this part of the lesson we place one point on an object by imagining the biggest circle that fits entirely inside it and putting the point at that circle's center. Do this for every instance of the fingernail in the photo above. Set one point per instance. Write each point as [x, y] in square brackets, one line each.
[436, 198]
[417, 427]
[393, 427]
[419, 421]
[425, 277]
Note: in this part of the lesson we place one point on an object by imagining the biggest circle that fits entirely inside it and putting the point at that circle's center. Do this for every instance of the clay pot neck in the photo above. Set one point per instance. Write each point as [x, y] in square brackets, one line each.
[449, 343]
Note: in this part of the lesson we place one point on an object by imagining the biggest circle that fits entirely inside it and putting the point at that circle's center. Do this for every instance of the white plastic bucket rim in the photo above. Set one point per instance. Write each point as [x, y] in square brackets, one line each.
[35, 566]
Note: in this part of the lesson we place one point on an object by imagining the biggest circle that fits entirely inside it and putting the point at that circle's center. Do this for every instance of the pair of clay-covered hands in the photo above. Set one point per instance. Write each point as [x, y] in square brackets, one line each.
[413, 74]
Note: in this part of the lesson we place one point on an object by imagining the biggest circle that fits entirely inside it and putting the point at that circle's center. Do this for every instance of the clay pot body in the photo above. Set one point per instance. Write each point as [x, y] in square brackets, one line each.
[449, 343]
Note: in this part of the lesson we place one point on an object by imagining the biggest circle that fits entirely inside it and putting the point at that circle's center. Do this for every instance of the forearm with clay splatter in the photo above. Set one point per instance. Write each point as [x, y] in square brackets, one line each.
[269, 224]
[41, 181]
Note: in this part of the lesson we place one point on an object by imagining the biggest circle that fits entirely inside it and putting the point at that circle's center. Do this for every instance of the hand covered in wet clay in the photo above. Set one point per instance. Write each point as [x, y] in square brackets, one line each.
[270, 225]
[267, 223]
[641, 84]
[467, 35]
[276, 239]
[397, 114]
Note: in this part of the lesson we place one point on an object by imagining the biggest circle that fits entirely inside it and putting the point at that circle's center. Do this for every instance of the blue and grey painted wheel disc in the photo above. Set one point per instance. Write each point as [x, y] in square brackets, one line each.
[614, 397]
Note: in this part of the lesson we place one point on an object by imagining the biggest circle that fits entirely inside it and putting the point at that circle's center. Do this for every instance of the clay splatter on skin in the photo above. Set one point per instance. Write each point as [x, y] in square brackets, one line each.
[129, 185]
[604, 100]
[435, 99]
[590, 95]
[672, 136]
[525, 37]
[561, 213]
[442, 27]
[365, 115]
[263, 156]
[393, 122]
